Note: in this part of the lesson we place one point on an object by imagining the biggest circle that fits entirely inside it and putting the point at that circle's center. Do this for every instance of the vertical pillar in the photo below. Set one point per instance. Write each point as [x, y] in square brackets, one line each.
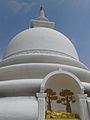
[84, 115]
[41, 105]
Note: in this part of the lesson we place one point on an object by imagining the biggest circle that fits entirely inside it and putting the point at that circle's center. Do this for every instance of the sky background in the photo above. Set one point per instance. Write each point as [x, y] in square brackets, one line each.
[72, 18]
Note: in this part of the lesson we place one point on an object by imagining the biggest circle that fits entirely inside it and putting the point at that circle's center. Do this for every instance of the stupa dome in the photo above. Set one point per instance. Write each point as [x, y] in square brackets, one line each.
[41, 38]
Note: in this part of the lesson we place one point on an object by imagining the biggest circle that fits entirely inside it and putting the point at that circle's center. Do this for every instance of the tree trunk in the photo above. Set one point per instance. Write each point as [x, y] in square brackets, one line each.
[49, 104]
[68, 106]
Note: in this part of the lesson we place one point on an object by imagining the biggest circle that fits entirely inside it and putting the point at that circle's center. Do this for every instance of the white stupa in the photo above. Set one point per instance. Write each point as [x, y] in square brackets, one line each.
[36, 59]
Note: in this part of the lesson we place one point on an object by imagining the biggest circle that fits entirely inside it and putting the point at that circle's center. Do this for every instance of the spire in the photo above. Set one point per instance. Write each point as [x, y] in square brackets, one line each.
[42, 14]
[42, 21]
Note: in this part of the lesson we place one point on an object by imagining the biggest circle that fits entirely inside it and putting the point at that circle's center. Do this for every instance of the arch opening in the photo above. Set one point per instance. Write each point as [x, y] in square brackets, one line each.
[60, 81]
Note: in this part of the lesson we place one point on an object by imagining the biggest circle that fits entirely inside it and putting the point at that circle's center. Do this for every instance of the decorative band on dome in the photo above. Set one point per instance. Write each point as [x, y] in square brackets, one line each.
[39, 51]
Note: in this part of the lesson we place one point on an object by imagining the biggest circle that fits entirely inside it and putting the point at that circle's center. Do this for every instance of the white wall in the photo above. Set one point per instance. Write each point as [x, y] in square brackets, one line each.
[18, 108]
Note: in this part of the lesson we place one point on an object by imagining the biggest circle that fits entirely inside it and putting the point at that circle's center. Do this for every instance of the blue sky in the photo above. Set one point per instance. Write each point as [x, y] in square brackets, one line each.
[72, 17]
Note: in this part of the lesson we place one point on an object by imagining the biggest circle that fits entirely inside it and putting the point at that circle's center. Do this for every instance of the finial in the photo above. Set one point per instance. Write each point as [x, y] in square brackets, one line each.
[42, 14]
[42, 21]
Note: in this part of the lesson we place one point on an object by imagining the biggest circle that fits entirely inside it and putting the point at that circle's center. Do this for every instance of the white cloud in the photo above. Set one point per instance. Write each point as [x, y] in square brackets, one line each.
[17, 6]
[56, 2]
[61, 1]
[85, 4]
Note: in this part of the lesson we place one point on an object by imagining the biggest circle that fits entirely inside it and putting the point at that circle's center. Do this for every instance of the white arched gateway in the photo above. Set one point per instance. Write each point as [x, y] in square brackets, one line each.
[58, 80]
[62, 79]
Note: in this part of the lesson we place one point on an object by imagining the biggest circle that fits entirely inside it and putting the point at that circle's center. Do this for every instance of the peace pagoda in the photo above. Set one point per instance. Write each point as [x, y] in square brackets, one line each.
[41, 77]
